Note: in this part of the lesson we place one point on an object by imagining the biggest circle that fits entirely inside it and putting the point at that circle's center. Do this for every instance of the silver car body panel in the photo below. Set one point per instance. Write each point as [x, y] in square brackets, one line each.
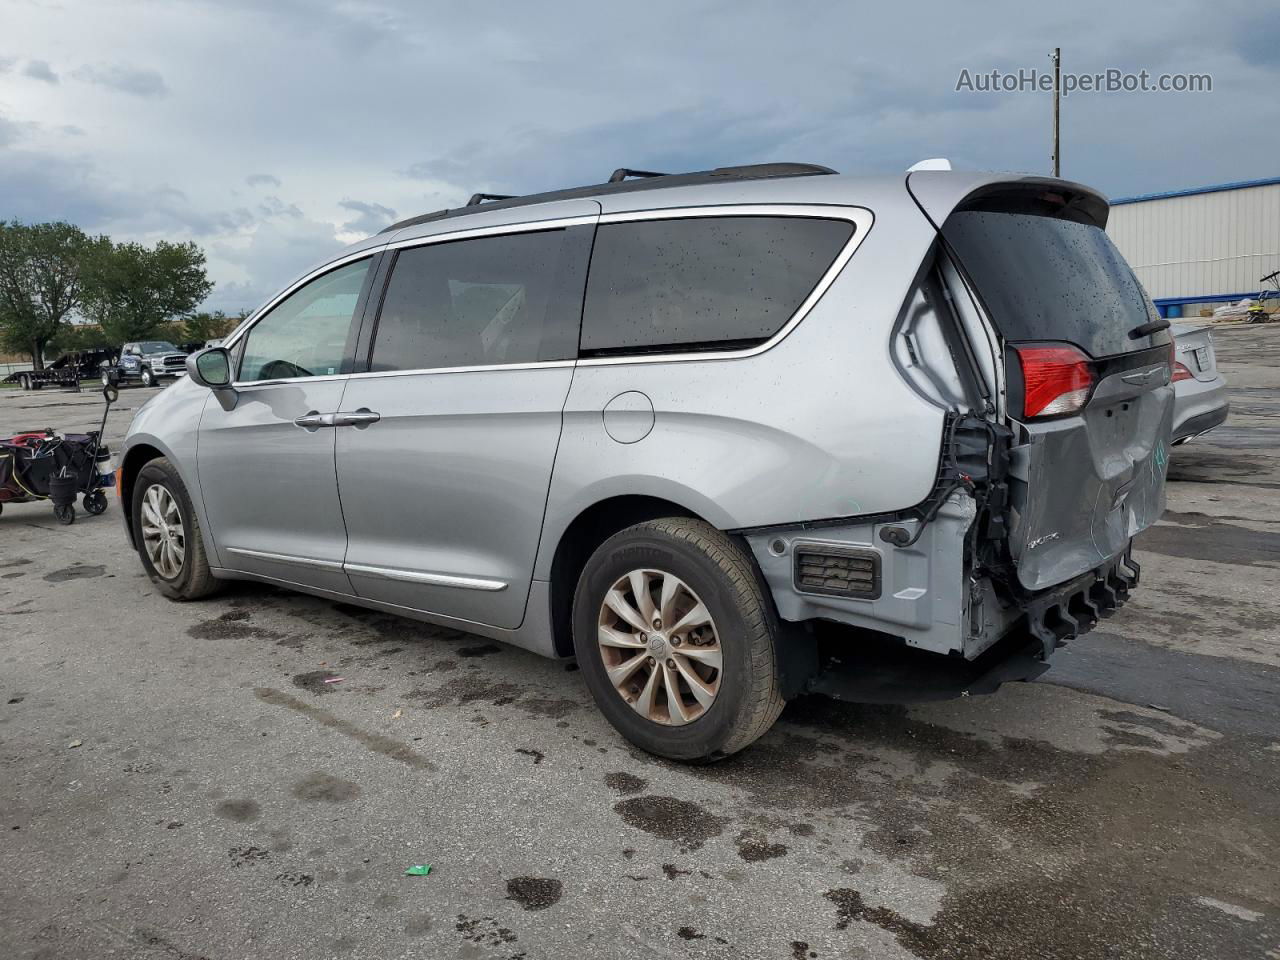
[269, 487]
[1200, 403]
[1113, 456]
[922, 597]
[450, 508]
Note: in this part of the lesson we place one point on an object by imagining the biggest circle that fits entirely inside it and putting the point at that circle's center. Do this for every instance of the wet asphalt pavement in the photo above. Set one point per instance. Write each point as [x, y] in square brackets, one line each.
[179, 781]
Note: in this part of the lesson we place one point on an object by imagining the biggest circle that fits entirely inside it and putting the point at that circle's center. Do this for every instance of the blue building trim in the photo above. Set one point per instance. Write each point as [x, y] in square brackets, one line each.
[1191, 192]
[1171, 307]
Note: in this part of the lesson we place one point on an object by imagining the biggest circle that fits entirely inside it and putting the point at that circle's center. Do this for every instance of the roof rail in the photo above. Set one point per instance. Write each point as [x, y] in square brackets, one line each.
[639, 180]
[622, 173]
[479, 198]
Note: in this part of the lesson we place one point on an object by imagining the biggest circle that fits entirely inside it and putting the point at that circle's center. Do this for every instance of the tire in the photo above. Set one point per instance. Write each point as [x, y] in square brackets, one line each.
[25, 382]
[95, 503]
[193, 579]
[65, 513]
[106, 379]
[715, 570]
[148, 379]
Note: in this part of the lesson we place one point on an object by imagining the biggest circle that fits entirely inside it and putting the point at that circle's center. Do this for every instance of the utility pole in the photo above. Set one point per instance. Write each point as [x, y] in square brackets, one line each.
[1056, 57]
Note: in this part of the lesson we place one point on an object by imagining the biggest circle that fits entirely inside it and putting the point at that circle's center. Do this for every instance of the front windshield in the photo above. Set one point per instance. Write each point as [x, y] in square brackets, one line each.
[157, 346]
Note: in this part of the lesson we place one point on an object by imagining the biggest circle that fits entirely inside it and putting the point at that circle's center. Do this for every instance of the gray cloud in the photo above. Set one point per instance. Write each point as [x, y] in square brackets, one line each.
[273, 206]
[40, 70]
[9, 133]
[6, 64]
[141, 83]
[262, 180]
[372, 216]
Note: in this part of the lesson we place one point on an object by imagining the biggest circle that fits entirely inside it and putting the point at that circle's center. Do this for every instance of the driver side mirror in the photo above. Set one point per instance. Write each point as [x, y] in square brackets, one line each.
[212, 368]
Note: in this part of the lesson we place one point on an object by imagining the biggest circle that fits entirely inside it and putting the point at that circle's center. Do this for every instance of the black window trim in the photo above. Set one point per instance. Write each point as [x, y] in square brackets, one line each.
[861, 217]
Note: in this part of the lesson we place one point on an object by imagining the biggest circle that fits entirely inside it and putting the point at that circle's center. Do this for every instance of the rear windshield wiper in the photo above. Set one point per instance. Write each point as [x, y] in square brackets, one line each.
[1154, 326]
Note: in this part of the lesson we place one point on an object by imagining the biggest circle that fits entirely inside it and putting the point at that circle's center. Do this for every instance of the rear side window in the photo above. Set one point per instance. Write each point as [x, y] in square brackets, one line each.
[1044, 278]
[515, 298]
[702, 282]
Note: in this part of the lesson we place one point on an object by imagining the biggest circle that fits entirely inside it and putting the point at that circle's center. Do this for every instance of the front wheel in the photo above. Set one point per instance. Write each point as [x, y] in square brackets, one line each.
[65, 513]
[148, 378]
[95, 503]
[167, 534]
[677, 640]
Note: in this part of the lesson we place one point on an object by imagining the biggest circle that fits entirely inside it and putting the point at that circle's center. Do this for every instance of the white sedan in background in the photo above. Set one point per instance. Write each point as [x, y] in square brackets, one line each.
[1199, 390]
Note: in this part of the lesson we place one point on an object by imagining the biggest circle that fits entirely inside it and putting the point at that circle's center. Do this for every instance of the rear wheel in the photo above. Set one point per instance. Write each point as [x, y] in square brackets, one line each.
[167, 533]
[95, 502]
[25, 382]
[65, 513]
[676, 640]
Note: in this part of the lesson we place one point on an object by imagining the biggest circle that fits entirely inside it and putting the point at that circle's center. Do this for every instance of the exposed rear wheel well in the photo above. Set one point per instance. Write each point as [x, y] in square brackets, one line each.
[589, 529]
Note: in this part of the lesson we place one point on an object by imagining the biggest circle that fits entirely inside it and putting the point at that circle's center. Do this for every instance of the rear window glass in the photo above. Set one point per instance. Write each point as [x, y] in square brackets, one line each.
[716, 282]
[1044, 278]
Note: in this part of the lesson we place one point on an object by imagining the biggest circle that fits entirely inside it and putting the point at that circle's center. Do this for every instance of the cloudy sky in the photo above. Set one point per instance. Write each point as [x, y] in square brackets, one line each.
[272, 133]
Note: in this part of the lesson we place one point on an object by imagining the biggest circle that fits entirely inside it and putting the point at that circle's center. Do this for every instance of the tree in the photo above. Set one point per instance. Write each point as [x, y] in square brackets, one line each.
[77, 337]
[41, 282]
[200, 327]
[133, 290]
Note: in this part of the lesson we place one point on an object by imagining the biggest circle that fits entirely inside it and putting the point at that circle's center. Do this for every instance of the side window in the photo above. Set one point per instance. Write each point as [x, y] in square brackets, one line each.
[305, 335]
[702, 282]
[514, 298]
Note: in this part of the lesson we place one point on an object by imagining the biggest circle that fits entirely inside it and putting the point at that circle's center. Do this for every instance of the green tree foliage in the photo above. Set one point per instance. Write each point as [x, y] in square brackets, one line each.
[133, 291]
[41, 282]
[200, 327]
[76, 337]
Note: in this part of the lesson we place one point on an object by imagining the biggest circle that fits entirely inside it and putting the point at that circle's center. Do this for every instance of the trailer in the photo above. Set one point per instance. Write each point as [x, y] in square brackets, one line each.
[67, 371]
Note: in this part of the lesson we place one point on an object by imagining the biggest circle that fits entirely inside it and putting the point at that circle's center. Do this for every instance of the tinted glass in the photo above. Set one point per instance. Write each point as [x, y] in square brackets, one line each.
[158, 346]
[1049, 279]
[305, 335]
[492, 300]
[702, 281]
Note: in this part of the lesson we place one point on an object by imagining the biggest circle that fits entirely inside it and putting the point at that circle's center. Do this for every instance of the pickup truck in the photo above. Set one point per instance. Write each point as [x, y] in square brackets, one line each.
[147, 362]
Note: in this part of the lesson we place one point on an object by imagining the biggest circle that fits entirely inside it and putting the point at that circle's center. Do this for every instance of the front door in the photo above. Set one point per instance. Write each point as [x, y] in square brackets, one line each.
[445, 457]
[266, 464]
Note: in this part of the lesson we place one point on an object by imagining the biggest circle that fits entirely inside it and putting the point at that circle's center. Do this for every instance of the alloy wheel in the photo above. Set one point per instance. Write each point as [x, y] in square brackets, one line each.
[163, 535]
[660, 647]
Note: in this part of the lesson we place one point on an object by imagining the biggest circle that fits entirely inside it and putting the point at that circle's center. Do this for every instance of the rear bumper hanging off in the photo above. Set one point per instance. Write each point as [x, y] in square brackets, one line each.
[1063, 613]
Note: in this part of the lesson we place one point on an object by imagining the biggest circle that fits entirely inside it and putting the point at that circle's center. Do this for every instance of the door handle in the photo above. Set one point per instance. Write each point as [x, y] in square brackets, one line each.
[314, 420]
[356, 418]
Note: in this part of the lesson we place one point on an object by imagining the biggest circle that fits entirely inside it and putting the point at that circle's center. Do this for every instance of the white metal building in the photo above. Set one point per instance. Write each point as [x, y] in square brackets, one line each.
[1196, 249]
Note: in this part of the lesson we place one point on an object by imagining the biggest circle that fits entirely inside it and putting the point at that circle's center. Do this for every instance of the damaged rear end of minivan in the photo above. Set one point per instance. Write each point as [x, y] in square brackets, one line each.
[1028, 328]
[1082, 385]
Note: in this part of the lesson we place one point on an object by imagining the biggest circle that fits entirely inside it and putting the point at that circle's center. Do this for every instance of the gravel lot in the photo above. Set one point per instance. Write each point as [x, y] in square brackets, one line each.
[177, 781]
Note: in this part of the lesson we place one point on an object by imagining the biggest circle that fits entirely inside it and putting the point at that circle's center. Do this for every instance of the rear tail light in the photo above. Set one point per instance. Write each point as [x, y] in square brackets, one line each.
[1056, 380]
[1181, 372]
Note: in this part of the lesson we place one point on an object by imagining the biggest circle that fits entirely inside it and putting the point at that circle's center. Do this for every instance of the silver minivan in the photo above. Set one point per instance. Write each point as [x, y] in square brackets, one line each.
[692, 429]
